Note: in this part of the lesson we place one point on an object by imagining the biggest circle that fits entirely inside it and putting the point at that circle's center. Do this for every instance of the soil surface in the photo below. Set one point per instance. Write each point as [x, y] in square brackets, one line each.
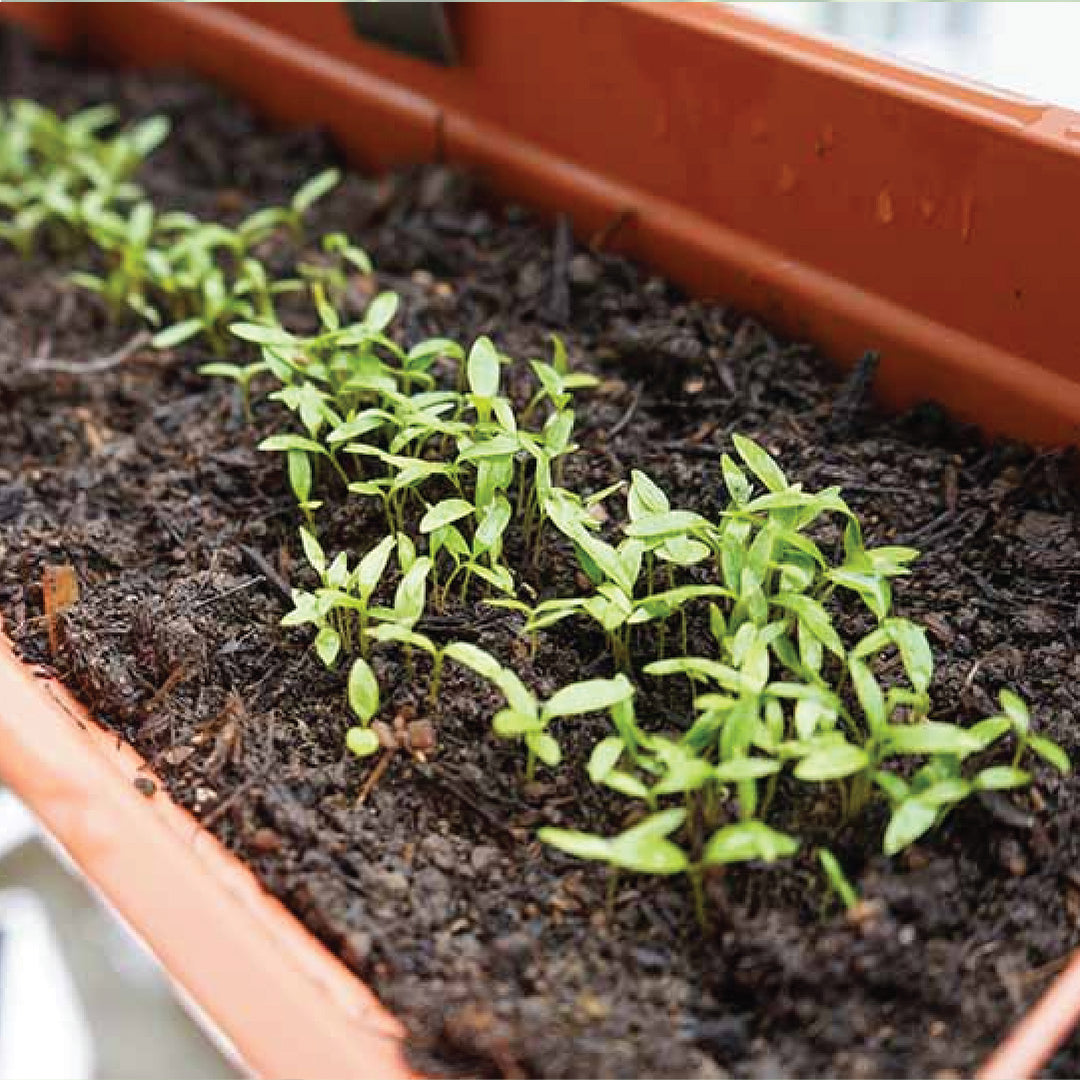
[502, 957]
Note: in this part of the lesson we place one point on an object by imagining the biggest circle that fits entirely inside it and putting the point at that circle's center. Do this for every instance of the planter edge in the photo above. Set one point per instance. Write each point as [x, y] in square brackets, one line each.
[961, 298]
[287, 1006]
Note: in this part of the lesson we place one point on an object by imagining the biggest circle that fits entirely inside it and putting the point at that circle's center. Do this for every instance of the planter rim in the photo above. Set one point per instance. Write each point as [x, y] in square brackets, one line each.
[312, 68]
[279, 999]
[906, 223]
[990, 106]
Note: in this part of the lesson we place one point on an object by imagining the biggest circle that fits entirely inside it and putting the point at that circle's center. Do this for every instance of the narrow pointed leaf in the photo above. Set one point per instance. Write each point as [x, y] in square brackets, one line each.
[760, 463]
[833, 763]
[592, 695]
[580, 845]
[483, 368]
[474, 658]
[748, 841]
[1050, 752]
[443, 513]
[910, 820]
[931, 737]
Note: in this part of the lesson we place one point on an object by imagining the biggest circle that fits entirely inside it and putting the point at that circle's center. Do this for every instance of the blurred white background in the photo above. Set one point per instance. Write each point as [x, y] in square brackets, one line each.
[1027, 48]
[80, 998]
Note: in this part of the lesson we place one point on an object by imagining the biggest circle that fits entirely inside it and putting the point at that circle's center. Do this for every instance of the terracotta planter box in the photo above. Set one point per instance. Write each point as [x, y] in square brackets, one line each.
[855, 179]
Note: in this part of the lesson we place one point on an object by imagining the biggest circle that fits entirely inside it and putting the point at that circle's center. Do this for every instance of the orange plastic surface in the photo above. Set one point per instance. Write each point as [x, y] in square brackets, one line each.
[286, 1005]
[846, 199]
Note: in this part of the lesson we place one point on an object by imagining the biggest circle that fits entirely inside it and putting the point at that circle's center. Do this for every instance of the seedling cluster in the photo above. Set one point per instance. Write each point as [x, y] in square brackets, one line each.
[455, 464]
[781, 698]
[69, 185]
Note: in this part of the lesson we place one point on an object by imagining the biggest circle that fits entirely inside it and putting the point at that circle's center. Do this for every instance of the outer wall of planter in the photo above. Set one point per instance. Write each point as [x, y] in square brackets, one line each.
[845, 199]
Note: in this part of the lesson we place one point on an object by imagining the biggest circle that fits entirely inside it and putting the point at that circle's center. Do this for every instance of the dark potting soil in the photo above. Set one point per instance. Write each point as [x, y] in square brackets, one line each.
[500, 956]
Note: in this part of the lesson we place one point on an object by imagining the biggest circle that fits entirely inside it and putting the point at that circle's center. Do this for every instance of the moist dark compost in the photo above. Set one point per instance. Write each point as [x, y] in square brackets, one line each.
[500, 956]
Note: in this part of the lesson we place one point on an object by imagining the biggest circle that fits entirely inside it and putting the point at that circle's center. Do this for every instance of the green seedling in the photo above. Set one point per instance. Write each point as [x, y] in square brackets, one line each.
[341, 608]
[363, 693]
[647, 848]
[558, 383]
[216, 302]
[410, 595]
[339, 258]
[528, 719]
[418, 425]
[647, 503]
[207, 280]
[837, 879]
[244, 375]
[644, 848]
[615, 571]
[312, 406]
[68, 180]
[464, 653]
[125, 242]
[1015, 719]
[404, 480]
[418, 362]
[480, 554]
[660, 767]
[65, 178]
[345, 360]
[398, 623]
[263, 222]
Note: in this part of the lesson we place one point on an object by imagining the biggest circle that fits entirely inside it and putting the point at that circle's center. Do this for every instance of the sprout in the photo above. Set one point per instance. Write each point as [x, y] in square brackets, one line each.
[837, 879]
[528, 719]
[364, 701]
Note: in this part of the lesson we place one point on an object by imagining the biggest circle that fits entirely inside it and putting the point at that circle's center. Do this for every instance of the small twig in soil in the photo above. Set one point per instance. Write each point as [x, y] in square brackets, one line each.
[174, 679]
[210, 819]
[267, 569]
[603, 236]
[943, 523]
[620, 425]
[853, 395]
[228, 592]
[999, 597]
[95, 366]
[561, 249]
[1002, 810]
[429, 773]
[863, 489]
[376, 775]
[693, 450]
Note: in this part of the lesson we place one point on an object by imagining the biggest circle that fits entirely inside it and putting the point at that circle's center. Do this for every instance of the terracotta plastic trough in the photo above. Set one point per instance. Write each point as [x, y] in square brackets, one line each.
[848, 200]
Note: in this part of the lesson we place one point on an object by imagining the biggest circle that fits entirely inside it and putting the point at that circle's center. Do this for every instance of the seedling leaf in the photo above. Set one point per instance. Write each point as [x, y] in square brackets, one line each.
[593, 695]
[363, 690]
[760, 463]
[748, 841]
[362, 741]
[444, 513]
